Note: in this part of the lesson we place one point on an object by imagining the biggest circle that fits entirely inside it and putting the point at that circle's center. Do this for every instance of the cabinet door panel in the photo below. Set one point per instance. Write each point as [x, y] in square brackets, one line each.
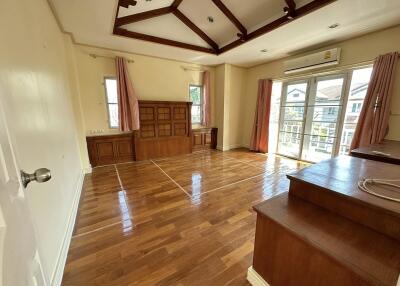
[207, 139]
[105, 150]
[197, 141]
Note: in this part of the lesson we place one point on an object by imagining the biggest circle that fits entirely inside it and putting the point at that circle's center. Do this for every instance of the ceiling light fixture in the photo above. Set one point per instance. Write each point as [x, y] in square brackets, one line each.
[333, 26]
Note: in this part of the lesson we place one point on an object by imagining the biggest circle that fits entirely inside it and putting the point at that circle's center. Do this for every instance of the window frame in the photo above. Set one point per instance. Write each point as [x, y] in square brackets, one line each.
[311, 79]
[108, 103]
[201, 105]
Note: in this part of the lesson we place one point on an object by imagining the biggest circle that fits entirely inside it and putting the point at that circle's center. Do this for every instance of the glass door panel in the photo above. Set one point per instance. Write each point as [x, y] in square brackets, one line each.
[358, 90]
[293, 111]
[323, 113]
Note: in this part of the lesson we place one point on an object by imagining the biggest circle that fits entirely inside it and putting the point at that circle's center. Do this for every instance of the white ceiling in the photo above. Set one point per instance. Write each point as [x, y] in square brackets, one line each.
[91, 23]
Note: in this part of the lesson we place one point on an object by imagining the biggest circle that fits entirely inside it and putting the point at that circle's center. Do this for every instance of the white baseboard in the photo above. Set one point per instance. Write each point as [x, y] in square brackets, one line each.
[62, 258]
[230, 147]
[254, 278]
[88, 170]
[234, 146]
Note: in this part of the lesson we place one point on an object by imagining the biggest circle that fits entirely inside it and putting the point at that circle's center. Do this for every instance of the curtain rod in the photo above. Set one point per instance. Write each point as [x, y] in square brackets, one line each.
[108, 57]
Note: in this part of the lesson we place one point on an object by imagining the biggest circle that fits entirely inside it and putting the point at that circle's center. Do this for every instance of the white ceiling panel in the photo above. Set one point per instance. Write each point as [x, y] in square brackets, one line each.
[167, 27]
[143, 6]
[91, 23]
[252, 13]
[222, 31]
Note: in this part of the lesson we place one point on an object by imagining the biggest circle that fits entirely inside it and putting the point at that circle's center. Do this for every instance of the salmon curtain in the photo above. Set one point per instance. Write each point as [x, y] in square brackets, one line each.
[128, 105]
[259, 137]
[373, 123]
[206, 119]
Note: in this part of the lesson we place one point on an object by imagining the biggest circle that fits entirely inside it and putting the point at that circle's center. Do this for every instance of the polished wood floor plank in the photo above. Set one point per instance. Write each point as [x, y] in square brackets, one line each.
[184, 220]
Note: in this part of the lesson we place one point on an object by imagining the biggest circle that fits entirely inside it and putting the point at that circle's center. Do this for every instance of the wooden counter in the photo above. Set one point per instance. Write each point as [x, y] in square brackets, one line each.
[332, 184]
[392, 148]
[325, 231]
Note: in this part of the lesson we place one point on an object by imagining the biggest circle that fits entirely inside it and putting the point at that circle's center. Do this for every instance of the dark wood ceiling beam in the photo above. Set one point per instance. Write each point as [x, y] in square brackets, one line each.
[142, 16]
[221, 6]
[176, 4]
[153, 39]
[195, 29]
[300, 12]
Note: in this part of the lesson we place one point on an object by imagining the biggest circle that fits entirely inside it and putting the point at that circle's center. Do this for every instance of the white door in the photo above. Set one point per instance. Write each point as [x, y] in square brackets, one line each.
[19, 259]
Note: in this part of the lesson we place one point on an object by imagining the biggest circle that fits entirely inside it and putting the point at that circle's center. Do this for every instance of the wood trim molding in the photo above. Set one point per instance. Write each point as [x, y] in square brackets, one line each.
[195, 29]
[157, 40]
[221, 6]
[142, 16]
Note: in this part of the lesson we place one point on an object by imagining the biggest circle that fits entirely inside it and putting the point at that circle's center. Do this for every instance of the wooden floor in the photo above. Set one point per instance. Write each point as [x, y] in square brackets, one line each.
[185, 220]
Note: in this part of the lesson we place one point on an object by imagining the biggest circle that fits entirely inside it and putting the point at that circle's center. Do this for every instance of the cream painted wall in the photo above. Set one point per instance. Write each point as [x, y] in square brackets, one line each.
[153, 79]
[220, 104]
[354, 51]
[36, 93]
[230, 86]
[77, 102]
[236, 92]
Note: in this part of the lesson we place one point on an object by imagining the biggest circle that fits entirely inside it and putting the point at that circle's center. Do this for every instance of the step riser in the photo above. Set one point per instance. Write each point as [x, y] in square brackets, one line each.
[357, 211]
[282, 259]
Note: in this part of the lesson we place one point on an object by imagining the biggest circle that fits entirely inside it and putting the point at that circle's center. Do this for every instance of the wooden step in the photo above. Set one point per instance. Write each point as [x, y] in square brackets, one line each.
[298, 243]
[332, 184]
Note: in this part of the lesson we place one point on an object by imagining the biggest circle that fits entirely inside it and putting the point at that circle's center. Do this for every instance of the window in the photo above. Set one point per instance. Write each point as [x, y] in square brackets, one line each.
[314, 123]
[356, 107]
[112, 101]
[196, 96]
[358, 90]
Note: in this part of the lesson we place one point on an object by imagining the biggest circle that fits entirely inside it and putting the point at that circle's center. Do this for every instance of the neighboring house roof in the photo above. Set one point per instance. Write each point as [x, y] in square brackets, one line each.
[333, 92]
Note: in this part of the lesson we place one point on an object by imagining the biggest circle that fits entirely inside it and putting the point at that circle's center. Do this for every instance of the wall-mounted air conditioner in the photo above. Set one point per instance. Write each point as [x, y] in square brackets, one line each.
[314, 61]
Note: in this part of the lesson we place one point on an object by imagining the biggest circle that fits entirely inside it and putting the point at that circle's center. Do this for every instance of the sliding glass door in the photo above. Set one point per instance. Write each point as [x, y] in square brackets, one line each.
[310, 116]
[292, 118]
[323, 116]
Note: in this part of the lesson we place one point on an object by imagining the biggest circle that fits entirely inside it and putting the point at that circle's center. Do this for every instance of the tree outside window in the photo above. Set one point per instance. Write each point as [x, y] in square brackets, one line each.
[196, 97]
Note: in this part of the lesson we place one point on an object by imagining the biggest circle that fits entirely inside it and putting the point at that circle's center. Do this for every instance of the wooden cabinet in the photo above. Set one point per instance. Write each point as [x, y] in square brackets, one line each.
[110, 149]
[204, 138]
[165, 129]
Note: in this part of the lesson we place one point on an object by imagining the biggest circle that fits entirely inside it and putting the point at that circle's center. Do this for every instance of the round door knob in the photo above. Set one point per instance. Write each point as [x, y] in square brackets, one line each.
[41, 175]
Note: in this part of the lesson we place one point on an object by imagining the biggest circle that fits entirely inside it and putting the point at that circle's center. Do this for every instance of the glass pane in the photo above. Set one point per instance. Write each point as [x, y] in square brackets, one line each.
[292, 127]
[358, 90]
[329, 90]
[195, 94]
[296, 92]
[111, 88]
[196, 114]
[289, 144]
[322, 129]
[318, 149]
[294, 112]
[113, 115]
[324, 113]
